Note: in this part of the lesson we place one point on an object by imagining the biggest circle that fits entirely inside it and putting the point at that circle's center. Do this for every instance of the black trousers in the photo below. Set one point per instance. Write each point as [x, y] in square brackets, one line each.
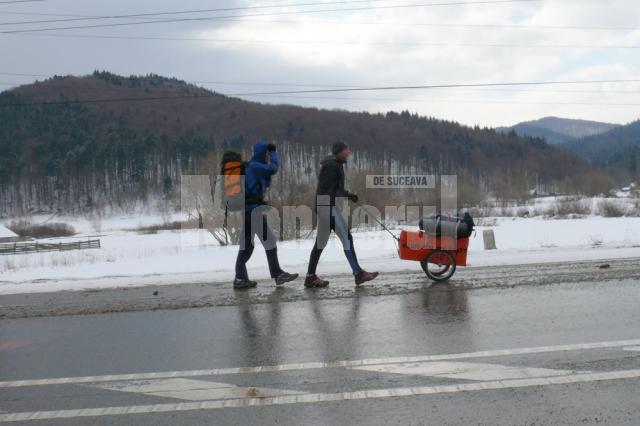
[255, 223]
[334, 223]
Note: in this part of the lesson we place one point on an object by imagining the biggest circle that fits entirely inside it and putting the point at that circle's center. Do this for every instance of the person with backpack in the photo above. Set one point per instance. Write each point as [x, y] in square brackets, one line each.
[329, 214]
[258, 172]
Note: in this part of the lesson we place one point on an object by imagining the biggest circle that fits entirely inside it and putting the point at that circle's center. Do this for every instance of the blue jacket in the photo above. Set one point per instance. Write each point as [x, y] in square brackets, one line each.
[258, 173]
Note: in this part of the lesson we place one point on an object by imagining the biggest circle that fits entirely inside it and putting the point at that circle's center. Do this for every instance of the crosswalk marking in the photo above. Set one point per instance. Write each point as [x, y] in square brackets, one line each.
[153, 386]
[317, 365]
[194, 390]
[319, 397]
[465, 370]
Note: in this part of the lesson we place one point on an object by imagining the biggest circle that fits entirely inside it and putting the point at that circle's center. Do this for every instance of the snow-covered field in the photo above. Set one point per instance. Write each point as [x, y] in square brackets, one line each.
[129, 258]
[559, 206]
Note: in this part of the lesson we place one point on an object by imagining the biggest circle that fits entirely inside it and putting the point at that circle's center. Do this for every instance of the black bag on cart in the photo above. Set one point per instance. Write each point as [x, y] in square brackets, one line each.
[438, 225]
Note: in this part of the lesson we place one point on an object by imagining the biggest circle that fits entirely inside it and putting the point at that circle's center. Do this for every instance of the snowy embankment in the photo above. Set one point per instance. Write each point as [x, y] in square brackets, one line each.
[128, 258]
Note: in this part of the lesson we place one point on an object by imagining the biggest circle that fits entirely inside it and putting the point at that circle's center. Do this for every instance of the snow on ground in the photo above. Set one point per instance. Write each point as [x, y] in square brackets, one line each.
[192, 256]
[91, 227]
[6, 233]
[548, 206]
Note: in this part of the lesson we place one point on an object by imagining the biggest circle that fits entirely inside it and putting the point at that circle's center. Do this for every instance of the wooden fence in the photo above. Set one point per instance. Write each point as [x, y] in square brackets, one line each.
[17, 248]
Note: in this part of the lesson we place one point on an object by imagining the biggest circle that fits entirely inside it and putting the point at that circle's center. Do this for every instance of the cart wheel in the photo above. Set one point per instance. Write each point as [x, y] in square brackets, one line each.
[439, 265]
[434, 269]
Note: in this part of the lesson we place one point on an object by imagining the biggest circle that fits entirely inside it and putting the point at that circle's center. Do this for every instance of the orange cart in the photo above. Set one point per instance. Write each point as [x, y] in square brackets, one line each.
[439, 256]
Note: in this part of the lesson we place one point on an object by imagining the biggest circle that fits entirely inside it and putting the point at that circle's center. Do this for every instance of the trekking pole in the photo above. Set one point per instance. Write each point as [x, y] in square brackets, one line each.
[227, 237]
[376, 219]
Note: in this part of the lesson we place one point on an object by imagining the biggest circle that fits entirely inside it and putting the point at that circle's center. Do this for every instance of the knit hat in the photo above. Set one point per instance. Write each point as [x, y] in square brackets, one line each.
[338, 147]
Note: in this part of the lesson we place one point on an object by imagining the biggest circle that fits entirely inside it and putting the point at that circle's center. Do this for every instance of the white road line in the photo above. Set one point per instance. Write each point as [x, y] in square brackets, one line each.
[318, 365]
[163, 385]
[318, 397]
[194, 390]
[633, 348]
[466, 370]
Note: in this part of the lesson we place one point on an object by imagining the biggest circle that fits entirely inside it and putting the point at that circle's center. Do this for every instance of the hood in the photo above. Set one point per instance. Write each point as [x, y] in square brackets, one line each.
[260, 151]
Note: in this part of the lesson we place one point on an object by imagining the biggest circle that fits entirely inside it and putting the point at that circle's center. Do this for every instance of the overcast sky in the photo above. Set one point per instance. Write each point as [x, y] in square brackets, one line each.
[374, 47]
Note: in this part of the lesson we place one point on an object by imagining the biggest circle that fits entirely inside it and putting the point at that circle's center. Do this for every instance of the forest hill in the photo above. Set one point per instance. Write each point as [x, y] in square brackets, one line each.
[75, 157]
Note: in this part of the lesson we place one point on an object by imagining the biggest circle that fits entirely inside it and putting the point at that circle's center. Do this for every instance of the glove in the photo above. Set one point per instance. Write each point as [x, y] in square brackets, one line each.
[353, 197]
[271, 148]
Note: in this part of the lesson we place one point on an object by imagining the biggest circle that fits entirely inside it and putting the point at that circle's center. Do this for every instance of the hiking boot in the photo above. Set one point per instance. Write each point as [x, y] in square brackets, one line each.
[285, 277]
[243, 283]
[364, 276]
[314, 281]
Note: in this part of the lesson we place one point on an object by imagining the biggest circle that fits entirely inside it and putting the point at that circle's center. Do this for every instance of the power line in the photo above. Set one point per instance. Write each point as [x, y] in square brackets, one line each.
[258, 83]
[217, 18]
[4, 12]
[600, 92]
[333, 42]
[186, 12]
[335, 98]
[337, 90]
[20, 1]
[455, 101]
[441, 25]
[437, 86]
[319, 85]
[377, 23]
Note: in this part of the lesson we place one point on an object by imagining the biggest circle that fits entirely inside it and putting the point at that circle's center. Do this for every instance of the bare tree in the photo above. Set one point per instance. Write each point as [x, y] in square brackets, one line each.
[197, 202]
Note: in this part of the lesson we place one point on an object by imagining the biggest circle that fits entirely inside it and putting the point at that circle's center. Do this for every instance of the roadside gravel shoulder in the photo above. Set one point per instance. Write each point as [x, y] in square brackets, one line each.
[189, 295]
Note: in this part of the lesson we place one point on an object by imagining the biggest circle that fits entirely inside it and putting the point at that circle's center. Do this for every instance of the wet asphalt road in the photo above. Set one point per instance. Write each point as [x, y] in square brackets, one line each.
[468, 379]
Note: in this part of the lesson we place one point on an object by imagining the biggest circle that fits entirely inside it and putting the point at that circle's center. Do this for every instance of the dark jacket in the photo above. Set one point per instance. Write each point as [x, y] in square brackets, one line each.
[331, 179]
[258, 174]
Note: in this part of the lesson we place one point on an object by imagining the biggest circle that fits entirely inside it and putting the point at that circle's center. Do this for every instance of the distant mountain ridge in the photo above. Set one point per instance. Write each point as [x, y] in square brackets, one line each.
[557, 130]
[617, 151]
